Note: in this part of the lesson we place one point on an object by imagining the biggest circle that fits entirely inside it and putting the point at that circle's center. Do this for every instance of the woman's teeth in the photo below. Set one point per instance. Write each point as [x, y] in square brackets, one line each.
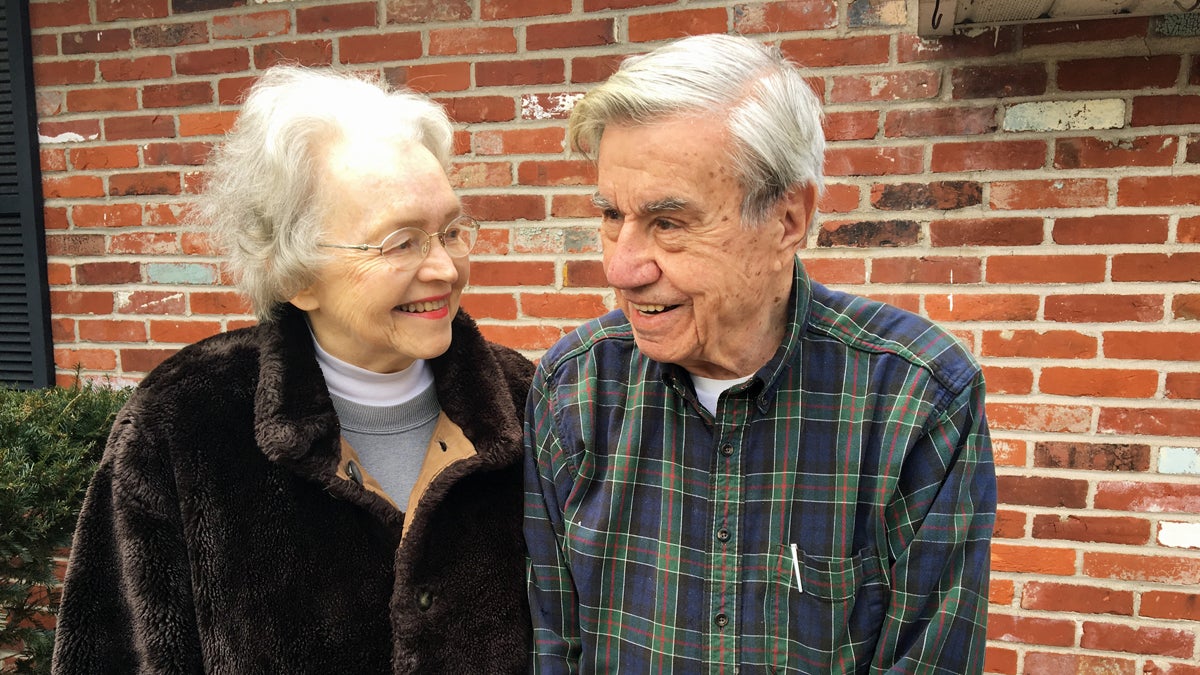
[650, 309]
[418, 307]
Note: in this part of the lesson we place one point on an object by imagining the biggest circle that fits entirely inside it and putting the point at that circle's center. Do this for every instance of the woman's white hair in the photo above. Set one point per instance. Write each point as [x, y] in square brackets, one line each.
[263, 194]
[773, 116]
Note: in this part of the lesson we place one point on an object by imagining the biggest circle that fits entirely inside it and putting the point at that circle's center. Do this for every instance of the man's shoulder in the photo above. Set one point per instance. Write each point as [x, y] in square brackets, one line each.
[608, 337]
[872, 326]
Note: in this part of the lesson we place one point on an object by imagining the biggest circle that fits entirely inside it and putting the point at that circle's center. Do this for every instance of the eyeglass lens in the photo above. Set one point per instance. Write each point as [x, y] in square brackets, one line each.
[409, 246]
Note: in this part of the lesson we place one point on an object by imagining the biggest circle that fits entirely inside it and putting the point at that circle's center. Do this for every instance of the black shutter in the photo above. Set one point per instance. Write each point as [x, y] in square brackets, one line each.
[26, 358]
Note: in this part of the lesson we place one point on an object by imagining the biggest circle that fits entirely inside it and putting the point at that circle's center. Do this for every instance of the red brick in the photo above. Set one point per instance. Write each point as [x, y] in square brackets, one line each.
[987, 232]
[873, 161]
[1154, 346]
[940, 195]
[998, 660]
[165, 36]
[499, 306]
[573, 206]
[376, 47]
[64, 13]
[1102, 382]
[584, 274]
[1042, 491]
[81, 302]
[1035, 560]
[851, 126]
[144, 183]
[568, 34]
[252, 26]
[530, 273]
[522, 72]
[138, 68]
[461, 41]
[556, 172]
[85, 359]
[600, 5]
[1061, 664]
[1161, 111]
[999, 81]
[1059, 597]
[1138, 639]
[165, 243]
[477, 109]
[836, 270]
[505, 207]
[52, 159]
[535, 337]
[1049, 194]
[794, 15]
[1085, 528]
[838, 198]
[988, 155]
[1092, 456]
[139, 126]
[1149, 421]
[1001, 592]
[1121, 72]
[1002, 380]
[984, 41]
[1188, 230]
[513, 9]
[106, 215]
[206, 124]
[231, 90]
[887, 86]
[92, 100]
[340, 17]
[296, 52]
[434, 77]
[926, 270]
[1090, 153]
[107, 330]
[114, 10]
[1009, 525]
[1041, 417]
[1108, 308]
[1009, 452]
[562, 306]
[1111, 229]
[1170, 605]
[64, 72]
[143, 360]
[833, 52]
[1027, 629]
[182, 332]
[72, 187]
[594, 68]
[96, 41]
[493, 241]
[1046, 269]
[1183, 386]
[1163, 569]
[543, 140]
[1159, 191]
[480, 174]
[424, 11]
[221, 303]
[151, 302]
[177, 95]
[981, 307]
[1186, 307]
[104, 157]
[107, 273]
[84, 129]
[1159, 267]
[555, 105]
[669, 25]
[74, 244]
[1092, 30]
[190, 153]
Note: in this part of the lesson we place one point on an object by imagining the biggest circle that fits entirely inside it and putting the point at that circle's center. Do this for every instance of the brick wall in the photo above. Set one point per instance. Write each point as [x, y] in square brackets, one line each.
[1034, 188]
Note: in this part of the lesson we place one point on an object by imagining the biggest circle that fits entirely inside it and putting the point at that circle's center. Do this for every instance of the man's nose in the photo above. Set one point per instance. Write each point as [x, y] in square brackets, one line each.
[629, 260]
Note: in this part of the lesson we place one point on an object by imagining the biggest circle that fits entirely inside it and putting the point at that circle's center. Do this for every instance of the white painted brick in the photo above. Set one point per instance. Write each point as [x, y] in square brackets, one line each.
[1179, 460]
[1065, 115]
[1179, 535]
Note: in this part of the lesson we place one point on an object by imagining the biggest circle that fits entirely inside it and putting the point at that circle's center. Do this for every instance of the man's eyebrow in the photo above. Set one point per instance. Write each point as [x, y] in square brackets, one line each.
[657, 206]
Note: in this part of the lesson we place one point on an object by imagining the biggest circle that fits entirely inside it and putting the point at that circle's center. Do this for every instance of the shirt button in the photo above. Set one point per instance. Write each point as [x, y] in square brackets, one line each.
[353, 472]
[723, 534]
[727, 449]
[425, 600]
[721, 620]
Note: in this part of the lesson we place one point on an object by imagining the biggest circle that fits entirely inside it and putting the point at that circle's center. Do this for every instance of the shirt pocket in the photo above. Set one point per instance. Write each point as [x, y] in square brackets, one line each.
[823, 621]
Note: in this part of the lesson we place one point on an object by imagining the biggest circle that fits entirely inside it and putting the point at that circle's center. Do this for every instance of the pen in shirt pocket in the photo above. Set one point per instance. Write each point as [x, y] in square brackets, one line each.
[796, 569]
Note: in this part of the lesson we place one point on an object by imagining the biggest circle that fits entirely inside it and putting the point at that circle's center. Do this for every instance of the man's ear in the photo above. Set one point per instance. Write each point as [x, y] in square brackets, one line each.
[799, 207]
[306, 299]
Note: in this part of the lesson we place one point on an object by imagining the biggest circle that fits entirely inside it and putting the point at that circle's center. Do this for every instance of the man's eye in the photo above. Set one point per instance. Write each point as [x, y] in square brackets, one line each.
[662, 224]
[610, 214]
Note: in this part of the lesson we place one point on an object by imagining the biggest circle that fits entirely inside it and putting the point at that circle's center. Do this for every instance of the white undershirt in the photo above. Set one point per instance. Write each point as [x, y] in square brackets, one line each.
[370, 388]
[709, 390]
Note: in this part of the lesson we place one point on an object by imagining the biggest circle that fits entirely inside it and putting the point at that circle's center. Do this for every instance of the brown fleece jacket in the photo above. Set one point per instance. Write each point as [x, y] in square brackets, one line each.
[223, 532]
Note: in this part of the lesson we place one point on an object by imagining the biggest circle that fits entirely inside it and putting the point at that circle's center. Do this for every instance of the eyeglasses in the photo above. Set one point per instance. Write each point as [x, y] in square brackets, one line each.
[405, 248]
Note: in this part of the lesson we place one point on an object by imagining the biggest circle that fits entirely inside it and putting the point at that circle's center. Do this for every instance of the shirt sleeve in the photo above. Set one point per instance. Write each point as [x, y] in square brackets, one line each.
[127, 603]
[552, 599]
[941, 539]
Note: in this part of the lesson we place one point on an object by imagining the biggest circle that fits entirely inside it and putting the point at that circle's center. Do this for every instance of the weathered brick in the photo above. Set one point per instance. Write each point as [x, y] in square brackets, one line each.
[667, 25]
[1084, 599]
[999, 81]
[251, 26]
[340, 17]
[940, 195]
[1042, 491]
[886, 86]
[869, 234]
[1091, 152]
[490, 10]
[294, 52]
[1138, 640]
[792, 15]
[168, 35]
[461, 41]
[424, 11]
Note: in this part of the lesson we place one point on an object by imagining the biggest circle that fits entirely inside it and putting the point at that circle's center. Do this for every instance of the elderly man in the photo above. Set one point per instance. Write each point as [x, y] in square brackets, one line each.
[742, 470]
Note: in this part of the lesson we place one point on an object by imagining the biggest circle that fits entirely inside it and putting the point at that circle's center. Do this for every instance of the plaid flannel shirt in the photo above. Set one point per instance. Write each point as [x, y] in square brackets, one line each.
[833, 516]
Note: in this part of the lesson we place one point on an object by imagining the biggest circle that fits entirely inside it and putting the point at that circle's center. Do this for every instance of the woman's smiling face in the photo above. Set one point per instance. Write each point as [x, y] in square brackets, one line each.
[361, 309]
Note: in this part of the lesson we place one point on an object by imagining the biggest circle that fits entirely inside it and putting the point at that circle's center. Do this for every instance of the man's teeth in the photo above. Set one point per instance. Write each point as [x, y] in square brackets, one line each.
[422, 306]
[650, 309]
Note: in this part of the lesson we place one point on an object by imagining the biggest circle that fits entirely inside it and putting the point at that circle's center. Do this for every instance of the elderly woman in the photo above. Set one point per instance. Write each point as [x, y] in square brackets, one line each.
[336, 489]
